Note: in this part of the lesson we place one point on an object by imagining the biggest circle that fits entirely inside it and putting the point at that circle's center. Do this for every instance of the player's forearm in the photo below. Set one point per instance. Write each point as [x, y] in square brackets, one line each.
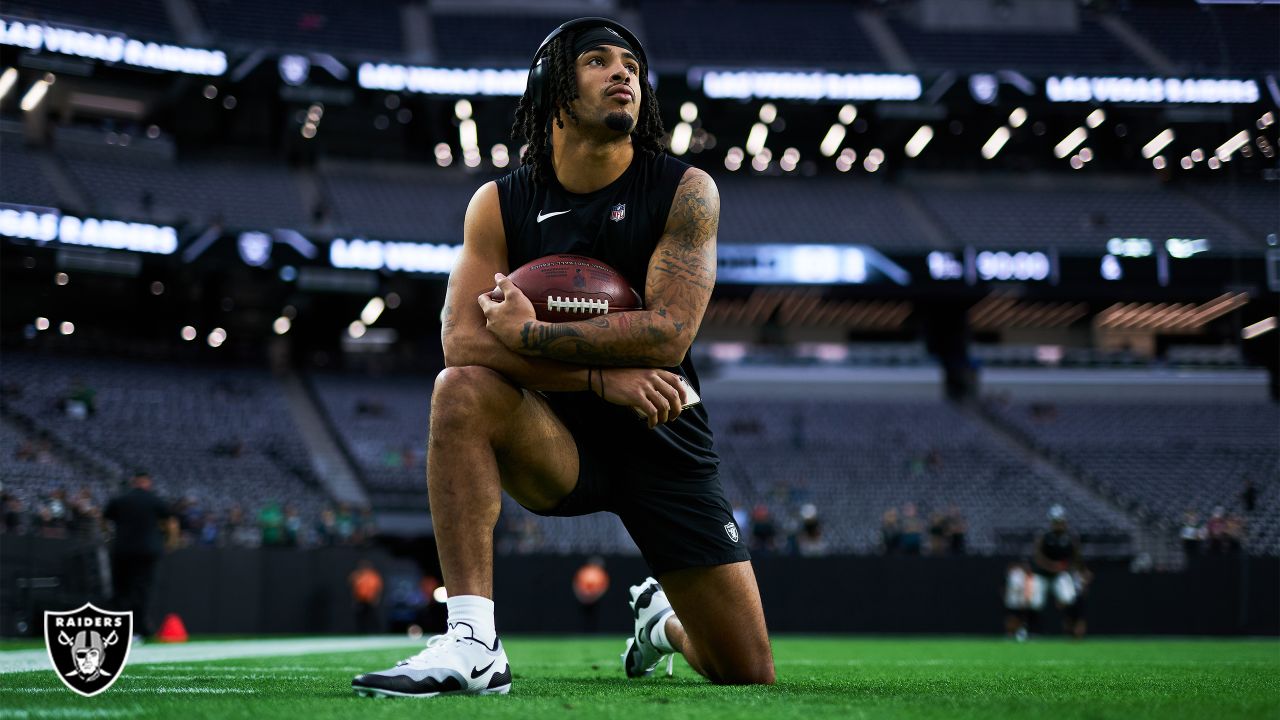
[645, 338]
[528, 372]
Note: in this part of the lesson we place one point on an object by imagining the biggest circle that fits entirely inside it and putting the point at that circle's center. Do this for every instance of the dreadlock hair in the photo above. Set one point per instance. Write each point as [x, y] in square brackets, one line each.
[534, 129]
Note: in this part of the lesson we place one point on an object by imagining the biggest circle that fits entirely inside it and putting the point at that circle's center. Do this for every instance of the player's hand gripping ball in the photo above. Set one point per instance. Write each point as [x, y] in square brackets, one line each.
[564, 288]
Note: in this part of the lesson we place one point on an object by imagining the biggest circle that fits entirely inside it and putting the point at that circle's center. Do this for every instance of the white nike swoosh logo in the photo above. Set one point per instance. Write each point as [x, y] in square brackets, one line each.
[542, 217]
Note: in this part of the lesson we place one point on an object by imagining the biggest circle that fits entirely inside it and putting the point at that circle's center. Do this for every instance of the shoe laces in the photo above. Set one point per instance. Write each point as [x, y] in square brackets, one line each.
[436, 646]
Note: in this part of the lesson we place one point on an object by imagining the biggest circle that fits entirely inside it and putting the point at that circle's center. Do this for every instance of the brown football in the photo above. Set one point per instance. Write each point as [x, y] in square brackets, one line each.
[564, 288]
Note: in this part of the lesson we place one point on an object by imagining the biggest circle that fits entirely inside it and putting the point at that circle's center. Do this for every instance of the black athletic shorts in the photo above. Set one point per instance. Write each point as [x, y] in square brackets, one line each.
[677, 519]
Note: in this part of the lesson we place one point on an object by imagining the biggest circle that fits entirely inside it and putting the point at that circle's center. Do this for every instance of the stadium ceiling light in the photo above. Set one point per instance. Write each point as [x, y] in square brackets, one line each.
[356, 330]
[768, 113]
[188, 333]
[10, 78]
[848, 113]
[462, 109]
[1226, 149]
[1017, 117]
[1157, 143]
[755, 139]
[36, 93]
[1261, 327]
[831, 141]
[1096, 118]
[917, 142]
[42, 323]
[1070, 142]
[733, 159]
[468, 136]
[372, 310]
[680, 138]
[67, 327]
[1158, 162]
[281, 325]
[688, 112]
[1268, 118]
[994, 143]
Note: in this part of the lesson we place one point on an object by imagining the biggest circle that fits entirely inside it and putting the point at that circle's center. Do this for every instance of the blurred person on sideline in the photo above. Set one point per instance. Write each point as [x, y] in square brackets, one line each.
[1059, 564]
[366, 593]
[890, 532]
[809, 541]
[912, 539]
[590, 583]
[138, 514]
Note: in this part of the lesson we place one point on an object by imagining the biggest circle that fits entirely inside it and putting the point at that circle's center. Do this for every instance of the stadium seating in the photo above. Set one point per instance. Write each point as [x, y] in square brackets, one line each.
[221, 436]
[398, 203]
[816, 210]
[1165, 459]
[1091, 47]
[240, 194]
[1253, 205]
[809, 34]
[147, 19]
[1075, 215]
[1209, 39]
[853, 460]
[493, 39]
[383, 425]
[22, 180]
[328, 25]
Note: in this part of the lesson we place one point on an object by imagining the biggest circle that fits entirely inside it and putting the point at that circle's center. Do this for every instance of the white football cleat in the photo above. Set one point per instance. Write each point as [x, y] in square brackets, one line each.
[451, 664]
[650, 606]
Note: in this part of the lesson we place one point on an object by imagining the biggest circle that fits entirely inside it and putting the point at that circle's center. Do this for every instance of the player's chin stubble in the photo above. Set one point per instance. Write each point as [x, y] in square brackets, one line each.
[619, 121]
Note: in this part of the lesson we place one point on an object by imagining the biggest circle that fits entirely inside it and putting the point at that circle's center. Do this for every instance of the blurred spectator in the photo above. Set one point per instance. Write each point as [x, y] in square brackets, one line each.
[890, 532]
[590, 583]
[55, 515]
[137, 514]
[1249, 497]
[810, 541]
[1216, 531]
[292, 526]
[938, 525]
[86, 516]
[271, 522]
[327, 527]
[1191, 534]
[240, 532]
[764, 533]
[957, 530]
[12, 514]
[79, 401]
[366, 593]
[912, 530]
[1235, 533]
[345, 524]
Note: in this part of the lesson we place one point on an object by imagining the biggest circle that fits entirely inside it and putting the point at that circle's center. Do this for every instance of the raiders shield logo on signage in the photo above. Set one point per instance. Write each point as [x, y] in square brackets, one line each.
[88, 646]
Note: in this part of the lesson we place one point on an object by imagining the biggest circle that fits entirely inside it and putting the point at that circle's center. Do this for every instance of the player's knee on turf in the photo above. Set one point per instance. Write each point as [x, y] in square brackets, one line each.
[751, 673]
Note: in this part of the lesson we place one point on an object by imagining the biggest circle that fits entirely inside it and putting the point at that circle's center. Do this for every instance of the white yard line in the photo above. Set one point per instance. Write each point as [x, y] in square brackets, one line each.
[154, 653]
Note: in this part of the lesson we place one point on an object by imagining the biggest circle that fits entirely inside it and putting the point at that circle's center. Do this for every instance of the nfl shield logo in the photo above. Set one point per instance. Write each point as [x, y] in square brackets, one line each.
[731, 529]
[618, 212]
[88, 647]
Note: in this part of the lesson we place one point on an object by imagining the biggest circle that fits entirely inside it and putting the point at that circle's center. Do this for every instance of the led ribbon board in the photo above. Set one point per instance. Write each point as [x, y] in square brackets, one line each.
[109, 47]
[48, 225]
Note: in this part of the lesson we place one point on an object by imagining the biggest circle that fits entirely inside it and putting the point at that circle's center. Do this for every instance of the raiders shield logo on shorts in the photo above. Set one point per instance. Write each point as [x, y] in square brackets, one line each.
[88, 647]
[731, 529]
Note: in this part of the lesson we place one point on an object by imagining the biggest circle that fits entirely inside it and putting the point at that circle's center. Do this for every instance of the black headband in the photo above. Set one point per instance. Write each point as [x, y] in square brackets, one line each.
[597, 36]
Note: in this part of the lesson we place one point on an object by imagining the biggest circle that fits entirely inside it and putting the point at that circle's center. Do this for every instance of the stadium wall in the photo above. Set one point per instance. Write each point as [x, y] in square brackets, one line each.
[247, 591]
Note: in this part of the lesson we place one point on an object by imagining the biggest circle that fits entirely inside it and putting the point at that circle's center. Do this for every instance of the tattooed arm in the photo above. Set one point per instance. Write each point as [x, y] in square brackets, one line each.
[682, 272]
[462, 326]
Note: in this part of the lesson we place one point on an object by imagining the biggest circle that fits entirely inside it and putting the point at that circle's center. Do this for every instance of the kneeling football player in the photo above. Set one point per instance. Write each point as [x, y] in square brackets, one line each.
[548, 412]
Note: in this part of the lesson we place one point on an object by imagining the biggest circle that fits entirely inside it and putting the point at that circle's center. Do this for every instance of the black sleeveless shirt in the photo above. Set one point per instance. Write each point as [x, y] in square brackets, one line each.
[619, 224]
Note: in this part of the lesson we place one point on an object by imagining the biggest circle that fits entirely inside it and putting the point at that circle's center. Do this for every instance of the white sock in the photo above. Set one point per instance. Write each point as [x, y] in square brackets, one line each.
[658, 635]
[476, 613]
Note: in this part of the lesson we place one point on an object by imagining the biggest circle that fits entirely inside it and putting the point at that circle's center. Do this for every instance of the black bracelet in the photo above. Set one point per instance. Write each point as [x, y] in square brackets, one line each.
[589, 388]
[601, 372]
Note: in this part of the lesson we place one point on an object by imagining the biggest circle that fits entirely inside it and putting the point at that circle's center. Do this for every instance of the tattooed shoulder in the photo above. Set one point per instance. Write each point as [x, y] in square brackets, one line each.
[695, 211]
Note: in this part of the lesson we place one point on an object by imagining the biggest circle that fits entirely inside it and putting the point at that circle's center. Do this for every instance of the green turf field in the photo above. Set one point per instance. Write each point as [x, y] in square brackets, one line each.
[817, 678]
